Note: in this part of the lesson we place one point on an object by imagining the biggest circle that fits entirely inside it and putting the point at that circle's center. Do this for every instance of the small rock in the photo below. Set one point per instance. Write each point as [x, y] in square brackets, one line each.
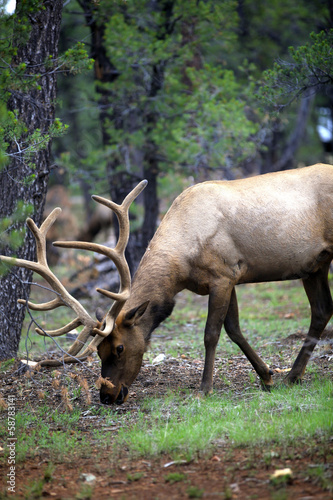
[29, 363]
[72, 335]
[235, 488]
[289, 315]
[159, 359]
[88, 478]
[176, 462]
[281, 476]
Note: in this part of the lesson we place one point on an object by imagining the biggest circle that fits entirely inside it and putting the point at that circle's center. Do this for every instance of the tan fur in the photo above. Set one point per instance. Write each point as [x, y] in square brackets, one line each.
[104, 382]
[216, 235]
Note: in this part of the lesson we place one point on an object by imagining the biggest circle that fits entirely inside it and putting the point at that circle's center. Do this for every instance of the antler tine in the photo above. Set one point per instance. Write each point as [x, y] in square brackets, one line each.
[121, 212]
[72, 358]
[117, 255]
[63, 296]
[41, 265]
[40, 234]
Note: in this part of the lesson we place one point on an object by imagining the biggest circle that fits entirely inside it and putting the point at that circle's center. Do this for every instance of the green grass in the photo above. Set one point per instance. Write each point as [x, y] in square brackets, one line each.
[175, 477]
[187, 426]
[194, 492]
[61, 445]
[193, 426]
[46, 430]
[34, 490]
[321, 474]
[268, 312]
[7, 365]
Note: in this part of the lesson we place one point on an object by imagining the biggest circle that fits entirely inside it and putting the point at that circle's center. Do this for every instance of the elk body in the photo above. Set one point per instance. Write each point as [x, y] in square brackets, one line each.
[216, 235]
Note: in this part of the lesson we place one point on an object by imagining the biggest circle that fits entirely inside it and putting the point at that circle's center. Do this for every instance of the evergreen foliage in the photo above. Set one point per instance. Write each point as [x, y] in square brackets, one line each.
[176, 91]
[309, 71]
[168, 95]
[18, 142]
[29, 63]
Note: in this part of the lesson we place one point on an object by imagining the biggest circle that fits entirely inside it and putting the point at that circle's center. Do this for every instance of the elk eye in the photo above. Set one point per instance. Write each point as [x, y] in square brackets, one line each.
[120, 349]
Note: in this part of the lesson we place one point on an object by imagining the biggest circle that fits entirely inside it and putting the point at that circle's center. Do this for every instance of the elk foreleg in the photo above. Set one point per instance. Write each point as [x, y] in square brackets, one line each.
[218, 304]
[319, 295]
[231, 325]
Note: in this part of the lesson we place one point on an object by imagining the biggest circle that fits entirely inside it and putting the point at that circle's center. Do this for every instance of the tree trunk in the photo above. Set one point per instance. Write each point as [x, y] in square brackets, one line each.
[121, 181]
[286, 157]
[36, 109]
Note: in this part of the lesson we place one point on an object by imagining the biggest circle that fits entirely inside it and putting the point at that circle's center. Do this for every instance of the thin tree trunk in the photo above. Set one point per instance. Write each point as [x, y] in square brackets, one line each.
[286, 159]
[121, 181]
[36, 109]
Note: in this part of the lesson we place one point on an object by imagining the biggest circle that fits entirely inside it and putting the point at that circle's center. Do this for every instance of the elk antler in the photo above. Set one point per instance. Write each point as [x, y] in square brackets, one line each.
[64, 298]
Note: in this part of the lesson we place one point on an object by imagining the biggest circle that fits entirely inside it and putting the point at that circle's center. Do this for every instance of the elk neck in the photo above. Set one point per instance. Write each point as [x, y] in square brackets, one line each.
[155, 281]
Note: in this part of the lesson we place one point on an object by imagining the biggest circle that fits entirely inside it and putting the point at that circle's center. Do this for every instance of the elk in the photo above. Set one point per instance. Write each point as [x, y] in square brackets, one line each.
[216, 235]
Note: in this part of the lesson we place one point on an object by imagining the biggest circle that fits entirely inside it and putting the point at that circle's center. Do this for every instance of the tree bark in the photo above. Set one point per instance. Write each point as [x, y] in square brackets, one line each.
[36, 108]
[121, 181]
[286, 157]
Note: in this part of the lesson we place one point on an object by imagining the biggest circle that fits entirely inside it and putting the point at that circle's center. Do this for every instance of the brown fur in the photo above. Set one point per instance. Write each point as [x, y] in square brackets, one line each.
[215, 236]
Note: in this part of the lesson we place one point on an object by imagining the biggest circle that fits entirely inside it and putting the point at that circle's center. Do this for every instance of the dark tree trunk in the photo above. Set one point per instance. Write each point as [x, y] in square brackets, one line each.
[120, 181]
[36, 109]
[286, 157]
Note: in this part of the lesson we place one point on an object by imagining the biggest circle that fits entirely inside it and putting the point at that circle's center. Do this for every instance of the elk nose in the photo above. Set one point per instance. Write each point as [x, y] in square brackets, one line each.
[122, 395]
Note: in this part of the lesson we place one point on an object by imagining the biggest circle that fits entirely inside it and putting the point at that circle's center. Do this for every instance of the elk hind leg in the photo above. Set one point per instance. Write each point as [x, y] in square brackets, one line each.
[231, 325]
[319, 295]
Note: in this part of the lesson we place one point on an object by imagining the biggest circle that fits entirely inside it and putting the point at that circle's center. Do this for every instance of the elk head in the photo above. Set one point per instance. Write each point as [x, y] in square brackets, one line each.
[121, 354]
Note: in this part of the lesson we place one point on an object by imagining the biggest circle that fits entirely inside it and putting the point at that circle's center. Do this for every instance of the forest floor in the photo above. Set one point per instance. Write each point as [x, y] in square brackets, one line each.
[226, 472]
[66, 442]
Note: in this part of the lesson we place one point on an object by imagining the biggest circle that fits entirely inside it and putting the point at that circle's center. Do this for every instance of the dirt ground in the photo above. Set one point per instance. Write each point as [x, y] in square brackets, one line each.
[228, 472]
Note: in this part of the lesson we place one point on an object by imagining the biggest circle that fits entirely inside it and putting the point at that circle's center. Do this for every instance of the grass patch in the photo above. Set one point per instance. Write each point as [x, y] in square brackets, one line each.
[85, 493]
[180, 424]
[194, 492]
[7, 365]
[47, 432]
[321, 475]
[268, 312]
[134, 477]
[59, 445]
[34, 490]
[175, 477]
[187, 427]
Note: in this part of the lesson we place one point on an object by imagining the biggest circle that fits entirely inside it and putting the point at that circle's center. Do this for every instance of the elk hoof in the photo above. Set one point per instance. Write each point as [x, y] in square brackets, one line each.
[206, 390]
[267, 384]
[292, 379]
[266, 387]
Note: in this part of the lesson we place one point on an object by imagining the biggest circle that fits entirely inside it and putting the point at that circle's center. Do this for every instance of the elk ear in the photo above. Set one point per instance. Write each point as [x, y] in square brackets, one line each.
[132, 316]
[99, 314]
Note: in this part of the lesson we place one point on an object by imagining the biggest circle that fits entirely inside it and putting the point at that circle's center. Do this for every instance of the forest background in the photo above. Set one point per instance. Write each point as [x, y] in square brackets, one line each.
[174, 92]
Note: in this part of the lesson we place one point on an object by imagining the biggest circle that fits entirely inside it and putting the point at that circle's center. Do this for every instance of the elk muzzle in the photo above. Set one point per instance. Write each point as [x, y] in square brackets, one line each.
[109, 393]
[108, 399]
